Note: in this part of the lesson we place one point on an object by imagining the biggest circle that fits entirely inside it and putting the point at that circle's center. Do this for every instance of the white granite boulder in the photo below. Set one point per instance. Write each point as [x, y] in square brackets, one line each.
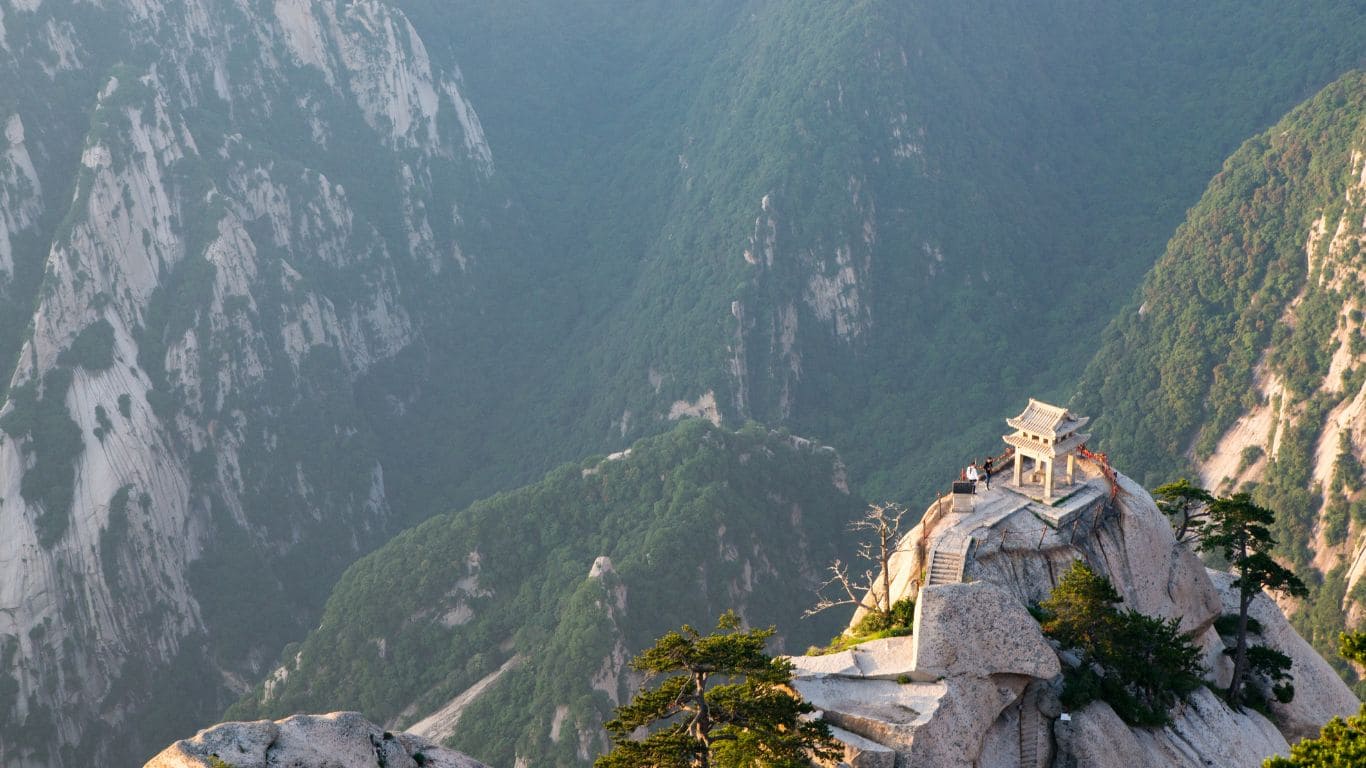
[841, 664]
[862, 753]
[337, 740]
[978, 629]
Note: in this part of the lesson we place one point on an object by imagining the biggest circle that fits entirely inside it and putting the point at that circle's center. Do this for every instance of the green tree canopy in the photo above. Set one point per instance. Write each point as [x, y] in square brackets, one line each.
[1186, 504]
[748, 719]
[1239, 530]
[1140, 665]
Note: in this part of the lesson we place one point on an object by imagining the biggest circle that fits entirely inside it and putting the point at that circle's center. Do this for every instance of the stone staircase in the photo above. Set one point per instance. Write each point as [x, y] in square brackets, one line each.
[1030, 725]
[945, 568]
[948, 560]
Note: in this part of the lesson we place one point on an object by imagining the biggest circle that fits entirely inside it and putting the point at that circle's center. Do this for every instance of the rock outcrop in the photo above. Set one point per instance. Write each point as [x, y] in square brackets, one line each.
[1006, 639]
[978, 685]
[337, 740]
[1204, 732]
[1319, 692]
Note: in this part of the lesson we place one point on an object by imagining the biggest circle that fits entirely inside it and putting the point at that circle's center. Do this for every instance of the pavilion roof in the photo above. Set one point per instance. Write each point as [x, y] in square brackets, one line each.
[1043, 419]
[1034, 448]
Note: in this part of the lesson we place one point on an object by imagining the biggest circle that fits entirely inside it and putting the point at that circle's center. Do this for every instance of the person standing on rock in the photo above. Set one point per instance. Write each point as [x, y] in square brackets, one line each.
[972, 475]
[986, 471]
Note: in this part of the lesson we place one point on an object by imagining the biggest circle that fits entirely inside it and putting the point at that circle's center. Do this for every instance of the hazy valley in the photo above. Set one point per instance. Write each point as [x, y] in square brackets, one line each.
[327, 327]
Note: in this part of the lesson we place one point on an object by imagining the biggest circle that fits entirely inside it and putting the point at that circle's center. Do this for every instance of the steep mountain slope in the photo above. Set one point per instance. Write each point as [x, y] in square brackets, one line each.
[835, 217]
[507, 627]
[1244, 361]
[267, 295]
[183, 465]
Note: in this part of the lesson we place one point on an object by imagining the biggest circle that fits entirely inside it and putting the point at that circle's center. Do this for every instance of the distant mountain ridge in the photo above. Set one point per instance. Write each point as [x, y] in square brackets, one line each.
[207, 278]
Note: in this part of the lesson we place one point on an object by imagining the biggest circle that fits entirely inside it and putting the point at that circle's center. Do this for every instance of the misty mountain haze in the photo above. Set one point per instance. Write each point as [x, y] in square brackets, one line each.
[281, 280]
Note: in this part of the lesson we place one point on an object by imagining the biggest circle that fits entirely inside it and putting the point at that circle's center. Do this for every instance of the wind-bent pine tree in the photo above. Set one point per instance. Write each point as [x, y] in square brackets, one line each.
[1187, 505]
[1237, 528]
[724, 703]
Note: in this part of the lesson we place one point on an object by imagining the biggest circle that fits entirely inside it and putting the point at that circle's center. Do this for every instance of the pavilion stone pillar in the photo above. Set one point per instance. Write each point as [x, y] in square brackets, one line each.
[1045, 433]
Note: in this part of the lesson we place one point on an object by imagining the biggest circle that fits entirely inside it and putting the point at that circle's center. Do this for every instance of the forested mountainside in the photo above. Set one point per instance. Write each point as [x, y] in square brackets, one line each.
[1244, 361]
[863, 220]
[279, 278]
[506, 627]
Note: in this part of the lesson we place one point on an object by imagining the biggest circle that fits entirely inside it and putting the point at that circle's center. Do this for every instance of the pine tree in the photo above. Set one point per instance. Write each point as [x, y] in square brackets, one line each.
[1187, 505]
[1140, 665]
[1239, 530]
[724, 703]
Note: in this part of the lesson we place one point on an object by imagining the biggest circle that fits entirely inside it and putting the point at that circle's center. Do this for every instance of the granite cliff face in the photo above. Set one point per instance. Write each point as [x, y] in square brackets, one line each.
[180, 436]
[978, 683]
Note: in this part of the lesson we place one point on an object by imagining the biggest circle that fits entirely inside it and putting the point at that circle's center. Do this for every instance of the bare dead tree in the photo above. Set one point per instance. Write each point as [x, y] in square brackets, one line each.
[881, 527]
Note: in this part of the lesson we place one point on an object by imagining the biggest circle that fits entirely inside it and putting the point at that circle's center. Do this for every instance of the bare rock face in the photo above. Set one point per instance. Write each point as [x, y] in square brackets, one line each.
[977, 686]
[1005, 638]
[338, 740]
[1204, 732]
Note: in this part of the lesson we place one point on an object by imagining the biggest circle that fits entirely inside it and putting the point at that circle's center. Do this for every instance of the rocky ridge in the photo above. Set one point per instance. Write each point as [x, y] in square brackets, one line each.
[506, 629]
[978, 683]
[337, 740]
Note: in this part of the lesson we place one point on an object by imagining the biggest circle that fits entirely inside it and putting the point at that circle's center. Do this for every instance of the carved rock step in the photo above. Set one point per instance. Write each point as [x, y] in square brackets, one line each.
[862, 753]
[882, 711]
[945, 568]
[1031, 730]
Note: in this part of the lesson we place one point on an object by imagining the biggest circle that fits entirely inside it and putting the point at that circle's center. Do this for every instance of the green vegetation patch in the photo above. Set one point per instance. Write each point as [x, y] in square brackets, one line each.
[92, 349]
[114, 535]
[1140, 665]
[1178, 366]
[874, 626]
[694, 522]
[54, 441]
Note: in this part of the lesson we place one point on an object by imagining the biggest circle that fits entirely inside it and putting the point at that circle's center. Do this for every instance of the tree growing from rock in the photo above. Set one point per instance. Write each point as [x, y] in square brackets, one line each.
[1187, 505]
[1140, 665]
[1341, 743]
[723, 704]
[872, 591]
[1239, 530]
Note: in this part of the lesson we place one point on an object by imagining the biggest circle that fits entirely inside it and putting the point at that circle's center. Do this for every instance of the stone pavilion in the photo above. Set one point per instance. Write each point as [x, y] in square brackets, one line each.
[1045, 433]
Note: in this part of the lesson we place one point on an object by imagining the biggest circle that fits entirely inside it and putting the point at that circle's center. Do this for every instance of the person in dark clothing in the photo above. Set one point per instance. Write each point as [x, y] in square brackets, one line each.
[986, 472]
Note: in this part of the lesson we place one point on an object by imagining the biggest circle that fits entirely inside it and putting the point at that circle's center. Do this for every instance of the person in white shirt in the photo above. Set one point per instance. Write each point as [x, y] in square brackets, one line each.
[972, 475]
